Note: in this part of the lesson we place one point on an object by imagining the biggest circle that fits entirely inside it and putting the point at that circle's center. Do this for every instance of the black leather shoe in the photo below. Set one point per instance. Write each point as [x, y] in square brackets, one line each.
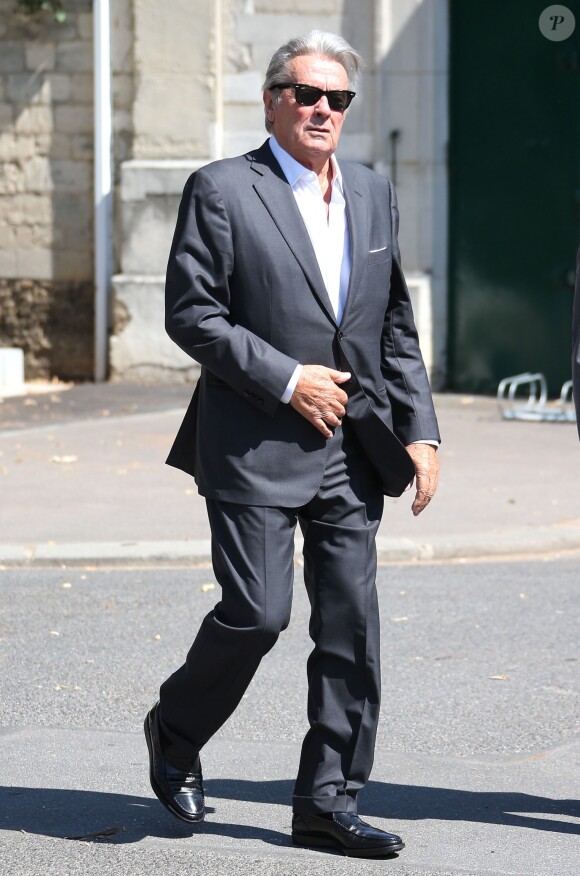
[346, 832]
[180, 791]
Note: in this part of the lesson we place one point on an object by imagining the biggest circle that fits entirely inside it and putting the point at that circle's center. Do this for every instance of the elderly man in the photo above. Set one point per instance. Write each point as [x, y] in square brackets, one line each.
[284, 282]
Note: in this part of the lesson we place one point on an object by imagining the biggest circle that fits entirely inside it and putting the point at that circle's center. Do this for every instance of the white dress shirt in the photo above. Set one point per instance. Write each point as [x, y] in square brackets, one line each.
[328, 234]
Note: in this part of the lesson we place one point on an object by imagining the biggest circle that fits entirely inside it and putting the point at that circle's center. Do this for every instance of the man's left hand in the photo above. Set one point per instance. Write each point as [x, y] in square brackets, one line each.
[426, 462]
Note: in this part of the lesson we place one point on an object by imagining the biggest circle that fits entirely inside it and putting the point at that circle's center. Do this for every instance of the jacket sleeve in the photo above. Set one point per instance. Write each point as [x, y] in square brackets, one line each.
[401, 360]
[197, 301]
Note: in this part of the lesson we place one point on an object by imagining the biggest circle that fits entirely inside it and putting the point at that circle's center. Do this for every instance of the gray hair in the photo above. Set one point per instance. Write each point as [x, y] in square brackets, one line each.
[317, 42]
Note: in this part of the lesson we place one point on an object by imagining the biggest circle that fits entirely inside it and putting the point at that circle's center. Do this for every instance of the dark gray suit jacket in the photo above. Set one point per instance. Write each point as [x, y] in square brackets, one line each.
[246, 299]
[576, 342]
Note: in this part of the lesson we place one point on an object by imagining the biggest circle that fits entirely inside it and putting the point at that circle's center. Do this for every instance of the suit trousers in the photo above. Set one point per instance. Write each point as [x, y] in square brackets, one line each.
[253, 559]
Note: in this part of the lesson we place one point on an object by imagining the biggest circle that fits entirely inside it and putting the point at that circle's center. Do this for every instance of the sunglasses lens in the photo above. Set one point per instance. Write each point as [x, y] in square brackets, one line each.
[339, 100]
[308, 95]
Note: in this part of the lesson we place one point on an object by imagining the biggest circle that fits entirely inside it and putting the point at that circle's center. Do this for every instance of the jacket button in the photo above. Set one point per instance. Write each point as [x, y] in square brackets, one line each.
[340, 336]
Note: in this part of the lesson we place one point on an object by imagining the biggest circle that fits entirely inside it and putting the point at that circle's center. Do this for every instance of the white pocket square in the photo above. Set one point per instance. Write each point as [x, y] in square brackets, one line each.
[380, 249]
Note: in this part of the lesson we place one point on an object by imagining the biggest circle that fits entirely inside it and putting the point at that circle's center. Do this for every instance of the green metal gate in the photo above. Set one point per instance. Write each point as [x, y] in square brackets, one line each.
[514, 165]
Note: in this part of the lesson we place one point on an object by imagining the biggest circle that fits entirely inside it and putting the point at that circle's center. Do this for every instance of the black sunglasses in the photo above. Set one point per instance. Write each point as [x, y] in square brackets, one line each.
[308, 95]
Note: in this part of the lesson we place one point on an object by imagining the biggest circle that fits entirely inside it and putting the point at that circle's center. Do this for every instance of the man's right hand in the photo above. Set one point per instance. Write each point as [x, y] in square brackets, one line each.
[319, 398]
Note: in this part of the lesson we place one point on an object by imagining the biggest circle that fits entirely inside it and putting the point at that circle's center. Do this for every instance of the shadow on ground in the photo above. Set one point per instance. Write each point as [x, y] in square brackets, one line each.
[117, 818]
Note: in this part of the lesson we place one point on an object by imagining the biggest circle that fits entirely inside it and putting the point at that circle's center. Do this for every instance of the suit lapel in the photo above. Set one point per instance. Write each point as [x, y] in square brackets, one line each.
[275, 193]
[358, 229]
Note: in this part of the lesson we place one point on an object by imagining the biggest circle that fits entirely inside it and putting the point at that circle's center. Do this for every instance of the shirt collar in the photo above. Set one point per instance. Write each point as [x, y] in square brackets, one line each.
[293, 170]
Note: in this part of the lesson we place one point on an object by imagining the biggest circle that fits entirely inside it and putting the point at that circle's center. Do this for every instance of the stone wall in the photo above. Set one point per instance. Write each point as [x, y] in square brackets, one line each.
[52, 322]
[46, 176]
[174, 58]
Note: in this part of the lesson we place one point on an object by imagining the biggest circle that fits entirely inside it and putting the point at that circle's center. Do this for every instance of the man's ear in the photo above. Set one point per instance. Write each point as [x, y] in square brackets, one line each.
[268, 98]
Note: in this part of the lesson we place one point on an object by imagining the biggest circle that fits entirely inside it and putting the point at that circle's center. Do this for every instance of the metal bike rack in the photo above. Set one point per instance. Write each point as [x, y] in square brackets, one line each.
[567, 402]
[511, 407]
[535, 407]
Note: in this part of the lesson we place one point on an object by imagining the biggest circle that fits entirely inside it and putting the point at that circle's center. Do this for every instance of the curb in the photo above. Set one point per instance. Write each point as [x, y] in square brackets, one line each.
[472, 546]
[538, 541]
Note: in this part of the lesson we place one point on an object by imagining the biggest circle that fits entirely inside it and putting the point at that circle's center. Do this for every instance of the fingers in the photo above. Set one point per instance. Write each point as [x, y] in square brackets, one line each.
[339, 376]
[322, 427]
[319, 399]
[324, 421]
[426, 463]
[426, 486]
[420, 502]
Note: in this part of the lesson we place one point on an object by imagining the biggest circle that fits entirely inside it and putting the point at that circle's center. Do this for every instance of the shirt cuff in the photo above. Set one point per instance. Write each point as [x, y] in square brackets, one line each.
[431, 441]
[291, 385]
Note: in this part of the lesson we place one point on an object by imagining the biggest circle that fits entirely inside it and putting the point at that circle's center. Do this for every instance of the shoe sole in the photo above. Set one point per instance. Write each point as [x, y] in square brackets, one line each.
[313, 841]
[156, 788]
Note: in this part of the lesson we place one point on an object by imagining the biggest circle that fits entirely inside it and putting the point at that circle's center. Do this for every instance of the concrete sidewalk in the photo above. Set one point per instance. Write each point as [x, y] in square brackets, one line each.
[83, 482]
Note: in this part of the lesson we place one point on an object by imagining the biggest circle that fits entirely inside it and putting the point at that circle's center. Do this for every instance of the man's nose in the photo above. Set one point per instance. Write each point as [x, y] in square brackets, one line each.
[322, 106]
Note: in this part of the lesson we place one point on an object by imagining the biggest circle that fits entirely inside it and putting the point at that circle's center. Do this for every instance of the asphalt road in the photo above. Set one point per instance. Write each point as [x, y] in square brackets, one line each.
[477, 752]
